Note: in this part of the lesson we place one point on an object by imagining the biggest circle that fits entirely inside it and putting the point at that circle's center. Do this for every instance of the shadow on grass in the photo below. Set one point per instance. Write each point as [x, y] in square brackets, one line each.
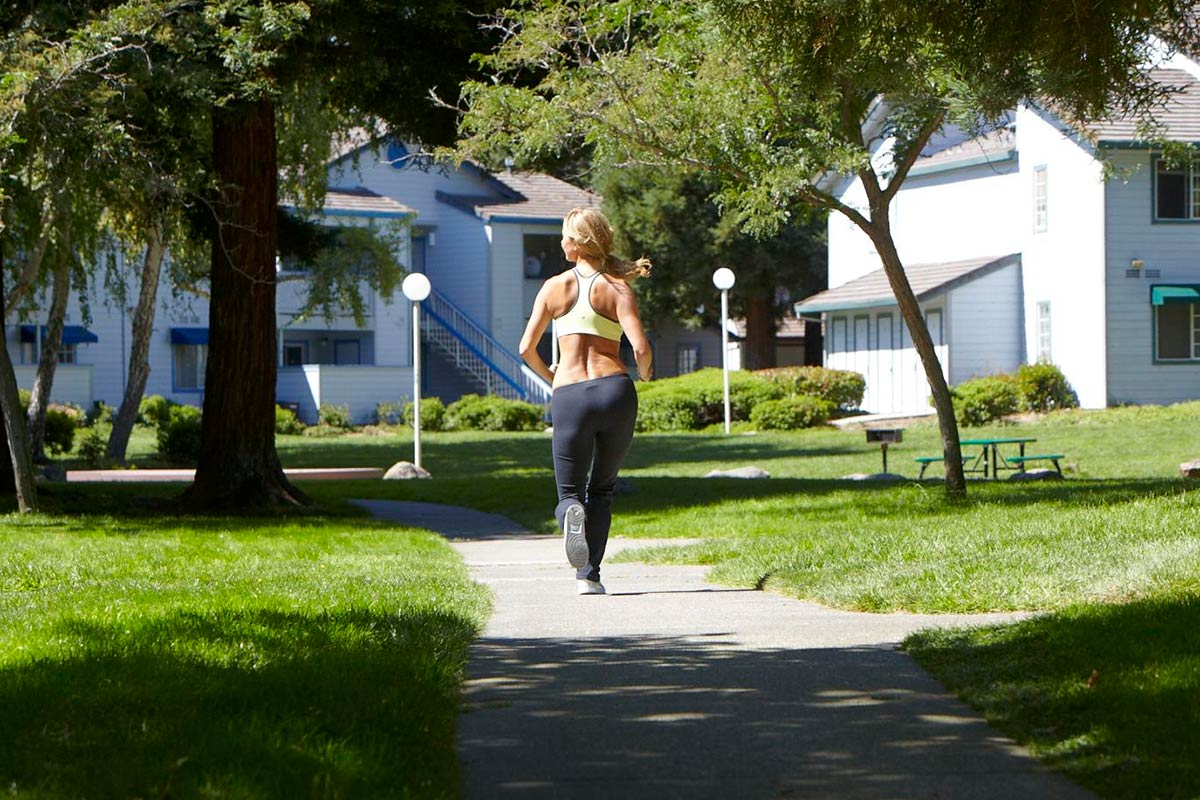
[1133, 732]
[247, 703]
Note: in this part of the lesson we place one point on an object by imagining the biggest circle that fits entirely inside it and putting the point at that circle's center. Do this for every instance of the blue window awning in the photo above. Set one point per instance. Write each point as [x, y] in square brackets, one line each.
[189, 335]
[72, 334]
[1163, 295]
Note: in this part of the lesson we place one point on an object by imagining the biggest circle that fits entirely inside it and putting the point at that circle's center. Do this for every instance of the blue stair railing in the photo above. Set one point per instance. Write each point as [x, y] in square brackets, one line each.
[476, 352]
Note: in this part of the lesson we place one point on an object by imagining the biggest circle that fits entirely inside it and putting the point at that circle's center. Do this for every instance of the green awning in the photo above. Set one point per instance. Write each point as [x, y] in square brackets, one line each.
[1162, 295]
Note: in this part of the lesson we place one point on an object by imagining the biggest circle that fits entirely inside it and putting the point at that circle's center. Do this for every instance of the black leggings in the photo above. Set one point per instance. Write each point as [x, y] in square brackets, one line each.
[593, 427]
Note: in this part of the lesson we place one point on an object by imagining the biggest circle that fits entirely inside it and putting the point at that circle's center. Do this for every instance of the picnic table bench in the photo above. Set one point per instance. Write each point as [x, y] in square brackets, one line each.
[990, 459]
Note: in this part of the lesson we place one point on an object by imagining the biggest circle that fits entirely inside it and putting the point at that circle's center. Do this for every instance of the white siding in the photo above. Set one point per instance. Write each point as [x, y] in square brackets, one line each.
[1065, 265]
[361, 389]
[1169, 248]
[72, 383]
[983, 325]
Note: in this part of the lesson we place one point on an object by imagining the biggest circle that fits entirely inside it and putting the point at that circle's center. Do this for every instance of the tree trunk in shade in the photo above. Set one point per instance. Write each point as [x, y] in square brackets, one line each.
[759, 346]
[16, 473]
[139, 351]
[43, 382]
[239, 467]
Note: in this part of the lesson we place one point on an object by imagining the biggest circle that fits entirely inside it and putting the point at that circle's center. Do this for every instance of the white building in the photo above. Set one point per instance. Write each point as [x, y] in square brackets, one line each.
[1022, 247]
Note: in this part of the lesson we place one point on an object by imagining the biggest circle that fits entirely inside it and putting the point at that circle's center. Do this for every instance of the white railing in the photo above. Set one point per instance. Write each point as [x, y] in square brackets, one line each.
[476, 352]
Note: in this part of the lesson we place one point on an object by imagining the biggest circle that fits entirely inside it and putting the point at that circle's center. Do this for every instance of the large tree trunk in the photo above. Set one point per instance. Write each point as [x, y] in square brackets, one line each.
[139, 351]
[910, 310]
[19, 469]
[43, 382]
[238, 466]
[760, 331]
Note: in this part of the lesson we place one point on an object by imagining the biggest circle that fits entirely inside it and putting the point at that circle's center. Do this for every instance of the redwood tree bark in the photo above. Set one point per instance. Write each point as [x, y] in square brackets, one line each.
[238, 466]
[139, 351]
[760, 331]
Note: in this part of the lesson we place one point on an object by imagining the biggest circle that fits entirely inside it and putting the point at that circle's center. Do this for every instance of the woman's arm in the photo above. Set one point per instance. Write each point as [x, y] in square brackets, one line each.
[539, 318]
[631, 324]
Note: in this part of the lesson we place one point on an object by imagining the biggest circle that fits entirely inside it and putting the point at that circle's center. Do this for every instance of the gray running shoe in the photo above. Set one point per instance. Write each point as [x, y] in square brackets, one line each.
[574, 538]
[590, 587]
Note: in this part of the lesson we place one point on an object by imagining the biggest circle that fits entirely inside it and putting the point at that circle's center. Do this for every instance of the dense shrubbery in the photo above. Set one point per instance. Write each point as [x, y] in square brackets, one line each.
[433, 414]
[696, 400]
[1044, 388]
[333, 416]
[154, 410]
[389, 413]
[179, 437]
[286, 422]
[1034, 387]
[491, 413]
[790, 413]
[59, 433]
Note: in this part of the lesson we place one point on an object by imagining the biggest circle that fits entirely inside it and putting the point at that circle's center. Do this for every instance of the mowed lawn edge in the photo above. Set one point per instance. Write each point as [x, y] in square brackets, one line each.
[152, 655]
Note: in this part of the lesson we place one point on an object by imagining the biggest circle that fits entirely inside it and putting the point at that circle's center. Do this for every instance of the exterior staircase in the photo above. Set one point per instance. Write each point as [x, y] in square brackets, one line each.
[475, 353]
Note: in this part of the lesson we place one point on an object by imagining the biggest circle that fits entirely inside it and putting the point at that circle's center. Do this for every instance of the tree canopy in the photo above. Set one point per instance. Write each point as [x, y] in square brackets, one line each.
[775, 100]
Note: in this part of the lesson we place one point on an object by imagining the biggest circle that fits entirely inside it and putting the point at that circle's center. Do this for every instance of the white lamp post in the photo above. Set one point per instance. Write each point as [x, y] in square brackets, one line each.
[416, 288]
[723, 279]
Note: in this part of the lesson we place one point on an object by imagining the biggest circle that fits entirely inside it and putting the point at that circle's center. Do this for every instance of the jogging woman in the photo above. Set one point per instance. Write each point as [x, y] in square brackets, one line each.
[594, 404]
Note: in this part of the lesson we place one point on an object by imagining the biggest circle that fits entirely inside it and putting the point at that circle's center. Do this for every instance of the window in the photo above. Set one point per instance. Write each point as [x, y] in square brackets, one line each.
[295, 353]
[543, 256]
[1177, 328]
[1040, 200]
[67, 354]
[1177, 191]
[190, 363]
[838, 343]
[1043, 332]
[687, 358]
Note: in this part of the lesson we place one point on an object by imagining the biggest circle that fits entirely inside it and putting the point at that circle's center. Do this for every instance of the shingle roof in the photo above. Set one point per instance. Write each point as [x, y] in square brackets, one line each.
[1179, 116]
[524, 196]
[993, 146]
[358, 200]
[927, 280]
[787, 328]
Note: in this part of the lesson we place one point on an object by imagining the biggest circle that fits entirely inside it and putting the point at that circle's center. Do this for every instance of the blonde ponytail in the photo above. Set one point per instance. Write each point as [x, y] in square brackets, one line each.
[593, 234]
[625, 270]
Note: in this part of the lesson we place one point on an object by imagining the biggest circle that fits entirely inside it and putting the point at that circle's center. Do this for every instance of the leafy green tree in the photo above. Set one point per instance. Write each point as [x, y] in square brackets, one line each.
[779, 99]
[670, 214]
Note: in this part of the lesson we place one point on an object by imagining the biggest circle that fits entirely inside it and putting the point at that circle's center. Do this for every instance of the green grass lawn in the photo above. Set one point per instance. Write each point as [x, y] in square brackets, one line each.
[151, 655]
[1110, 556]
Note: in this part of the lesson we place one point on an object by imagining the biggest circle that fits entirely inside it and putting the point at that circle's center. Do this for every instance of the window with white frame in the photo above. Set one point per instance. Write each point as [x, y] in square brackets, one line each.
[1043, 332]
[687, 358]
[1177, 332]
[1177, 191]
[190, 361]
[1041, 199]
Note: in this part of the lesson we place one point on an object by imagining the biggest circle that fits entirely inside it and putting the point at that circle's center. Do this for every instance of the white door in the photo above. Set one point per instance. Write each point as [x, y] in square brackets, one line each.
[885, 392]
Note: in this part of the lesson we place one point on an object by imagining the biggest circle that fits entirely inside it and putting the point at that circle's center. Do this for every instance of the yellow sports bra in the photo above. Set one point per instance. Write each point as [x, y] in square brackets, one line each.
[582, 318]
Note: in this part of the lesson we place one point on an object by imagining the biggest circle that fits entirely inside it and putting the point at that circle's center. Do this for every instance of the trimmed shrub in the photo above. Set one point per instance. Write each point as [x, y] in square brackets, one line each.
[286, 422]
[790, 413]
[433, 414]
[59, 435]
[93, 446]
[490, 413]
[668, 408]
[1044, 388]
[179, 438]
[334, 416]
[99, 413]
[843, 388]
[389, 413]
[154, 410]
[983, 400]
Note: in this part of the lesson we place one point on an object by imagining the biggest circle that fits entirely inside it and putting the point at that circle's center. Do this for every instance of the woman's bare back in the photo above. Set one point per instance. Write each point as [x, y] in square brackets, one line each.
[583, 356]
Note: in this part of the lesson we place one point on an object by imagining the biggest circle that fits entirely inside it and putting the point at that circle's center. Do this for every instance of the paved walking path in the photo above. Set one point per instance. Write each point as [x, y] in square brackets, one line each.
[673, 687]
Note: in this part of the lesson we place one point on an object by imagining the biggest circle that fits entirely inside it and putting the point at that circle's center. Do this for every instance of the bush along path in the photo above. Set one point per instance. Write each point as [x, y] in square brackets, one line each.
[671, 686]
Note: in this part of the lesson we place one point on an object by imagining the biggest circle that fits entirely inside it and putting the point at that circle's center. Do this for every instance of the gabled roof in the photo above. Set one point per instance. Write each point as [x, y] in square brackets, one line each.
[1179, 116]
[987, 148]
[360, 202]
[786, 328]
[927, 281]
[523, 197]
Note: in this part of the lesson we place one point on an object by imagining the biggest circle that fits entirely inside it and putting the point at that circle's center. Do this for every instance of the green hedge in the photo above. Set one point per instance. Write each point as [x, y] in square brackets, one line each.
[479, 413]
[696, 400]
[179, 438]
[1033, 387]
[790, 413]
[433, 414]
